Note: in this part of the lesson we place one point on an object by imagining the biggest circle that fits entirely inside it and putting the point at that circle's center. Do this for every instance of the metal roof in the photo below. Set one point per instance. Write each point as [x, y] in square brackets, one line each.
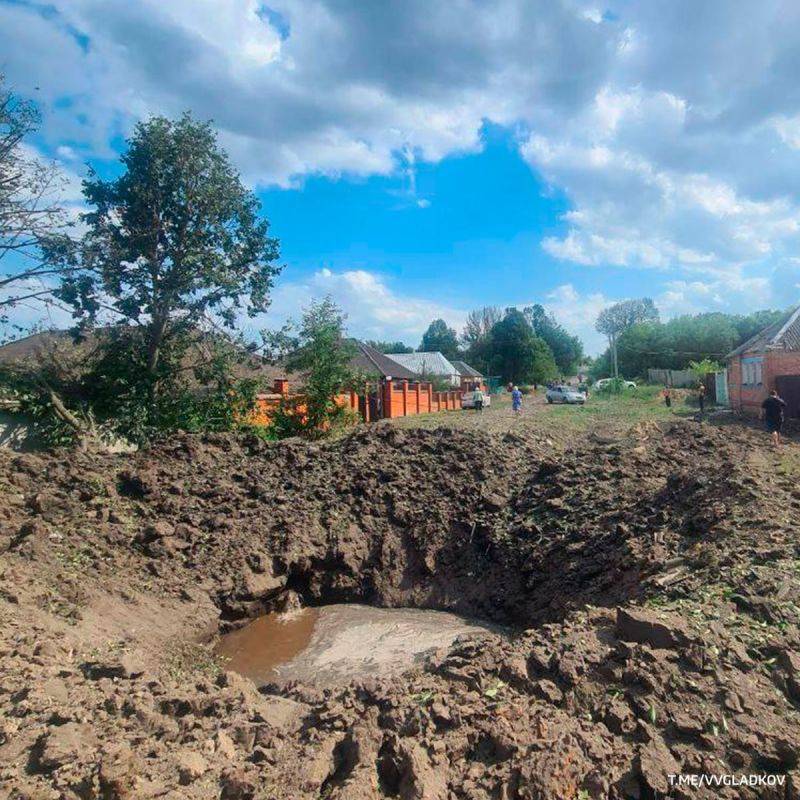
[424, 363]
[465, 370]
[373, 362]
[781, 335]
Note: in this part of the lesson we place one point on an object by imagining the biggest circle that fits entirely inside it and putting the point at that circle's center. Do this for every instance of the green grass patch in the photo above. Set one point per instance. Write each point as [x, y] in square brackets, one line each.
[630, 406]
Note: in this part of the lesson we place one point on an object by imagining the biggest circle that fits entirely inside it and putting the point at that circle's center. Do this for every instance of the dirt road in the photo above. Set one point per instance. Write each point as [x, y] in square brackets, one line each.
[651, 570]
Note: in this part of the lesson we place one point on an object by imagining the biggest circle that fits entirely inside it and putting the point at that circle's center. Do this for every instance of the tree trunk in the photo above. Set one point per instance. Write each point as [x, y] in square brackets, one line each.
[614, 348]
[154, 345]
[84, 432]
[64, 414]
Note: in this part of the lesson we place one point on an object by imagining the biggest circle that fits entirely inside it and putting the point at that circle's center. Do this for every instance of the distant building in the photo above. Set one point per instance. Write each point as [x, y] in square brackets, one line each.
[428, 365]
[470, 377]
[769, 360]
[374, 364]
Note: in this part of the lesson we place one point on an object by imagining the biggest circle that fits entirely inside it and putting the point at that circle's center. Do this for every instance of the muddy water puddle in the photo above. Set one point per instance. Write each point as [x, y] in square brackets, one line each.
[330, 645]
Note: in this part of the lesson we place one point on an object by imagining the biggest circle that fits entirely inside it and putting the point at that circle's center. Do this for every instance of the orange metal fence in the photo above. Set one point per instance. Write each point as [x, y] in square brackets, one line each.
[383, 400]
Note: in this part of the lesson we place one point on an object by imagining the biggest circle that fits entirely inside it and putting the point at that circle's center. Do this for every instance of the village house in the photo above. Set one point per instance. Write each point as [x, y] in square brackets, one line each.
[381, 374]
[429, 366]
[471, 379]
[378, 366]
[769, 360]
[388, 389]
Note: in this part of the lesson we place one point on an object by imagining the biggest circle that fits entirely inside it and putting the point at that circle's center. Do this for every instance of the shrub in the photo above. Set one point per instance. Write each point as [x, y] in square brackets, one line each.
[613, 386]
[323, 354]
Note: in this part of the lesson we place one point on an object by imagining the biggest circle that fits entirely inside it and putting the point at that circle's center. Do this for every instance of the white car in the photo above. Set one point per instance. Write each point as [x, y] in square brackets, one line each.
[605, 381]
[565, 394]
[468, 399]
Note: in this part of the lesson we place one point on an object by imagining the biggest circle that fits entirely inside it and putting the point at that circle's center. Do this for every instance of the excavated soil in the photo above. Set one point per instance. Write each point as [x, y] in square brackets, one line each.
[652, 580]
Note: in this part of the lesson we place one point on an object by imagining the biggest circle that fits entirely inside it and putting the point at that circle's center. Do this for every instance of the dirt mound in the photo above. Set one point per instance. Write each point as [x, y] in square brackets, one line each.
[653, 574]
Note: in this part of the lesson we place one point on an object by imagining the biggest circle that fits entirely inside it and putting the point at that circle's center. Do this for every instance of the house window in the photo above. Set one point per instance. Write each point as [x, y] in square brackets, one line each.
[751, 371]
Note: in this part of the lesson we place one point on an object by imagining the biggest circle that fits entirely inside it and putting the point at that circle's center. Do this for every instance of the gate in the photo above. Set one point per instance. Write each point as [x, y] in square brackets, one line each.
[710, 382]
[370, 407]
[721, 385]
[788, 387]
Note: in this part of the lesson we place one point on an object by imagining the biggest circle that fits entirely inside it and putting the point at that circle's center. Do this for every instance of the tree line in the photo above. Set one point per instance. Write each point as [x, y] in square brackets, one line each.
[520, 346]
[638, 340]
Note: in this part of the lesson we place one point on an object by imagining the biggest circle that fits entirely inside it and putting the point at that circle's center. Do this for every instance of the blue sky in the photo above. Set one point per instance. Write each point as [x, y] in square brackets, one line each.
[418, 160]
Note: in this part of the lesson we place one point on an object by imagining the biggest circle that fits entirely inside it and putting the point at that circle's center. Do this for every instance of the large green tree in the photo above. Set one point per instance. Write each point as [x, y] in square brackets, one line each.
[615, 319]
[439, 337]
[175, 240]
[567, 349]
[748, 325]
[174, 252]
[517, 353]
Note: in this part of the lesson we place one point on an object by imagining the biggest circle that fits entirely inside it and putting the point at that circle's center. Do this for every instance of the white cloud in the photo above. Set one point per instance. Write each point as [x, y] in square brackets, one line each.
[577, 313]
[373, 308]
[731, 292]
[634, 208]
[348, 89]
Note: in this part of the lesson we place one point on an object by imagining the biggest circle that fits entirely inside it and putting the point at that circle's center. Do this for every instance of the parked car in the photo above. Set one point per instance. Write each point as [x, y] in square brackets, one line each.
[605, 381]
[565, 394]
[470, 399]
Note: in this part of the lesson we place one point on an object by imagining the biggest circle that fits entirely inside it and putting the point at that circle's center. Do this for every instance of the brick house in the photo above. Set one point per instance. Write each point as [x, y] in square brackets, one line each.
[471, 379]
[770, 360]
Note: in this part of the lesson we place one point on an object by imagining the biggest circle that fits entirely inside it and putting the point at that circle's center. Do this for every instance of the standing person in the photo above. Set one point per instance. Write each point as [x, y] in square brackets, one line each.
[701, 397]
[667, 397]
[516, 400]
[477, 399]
[772, 413]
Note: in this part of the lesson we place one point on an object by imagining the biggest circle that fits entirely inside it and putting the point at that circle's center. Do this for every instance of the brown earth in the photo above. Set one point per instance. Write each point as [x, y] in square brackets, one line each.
[652, 576]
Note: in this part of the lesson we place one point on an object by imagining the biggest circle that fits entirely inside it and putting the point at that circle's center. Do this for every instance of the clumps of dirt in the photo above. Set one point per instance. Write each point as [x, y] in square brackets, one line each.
[605, 704]
[654, 576]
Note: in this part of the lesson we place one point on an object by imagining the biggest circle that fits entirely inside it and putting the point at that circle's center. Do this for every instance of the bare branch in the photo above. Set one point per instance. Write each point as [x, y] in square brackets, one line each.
[29, 212]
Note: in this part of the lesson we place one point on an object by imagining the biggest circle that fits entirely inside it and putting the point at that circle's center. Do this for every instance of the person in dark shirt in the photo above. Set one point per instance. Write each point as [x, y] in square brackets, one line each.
[701, 397]
[772, 412]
